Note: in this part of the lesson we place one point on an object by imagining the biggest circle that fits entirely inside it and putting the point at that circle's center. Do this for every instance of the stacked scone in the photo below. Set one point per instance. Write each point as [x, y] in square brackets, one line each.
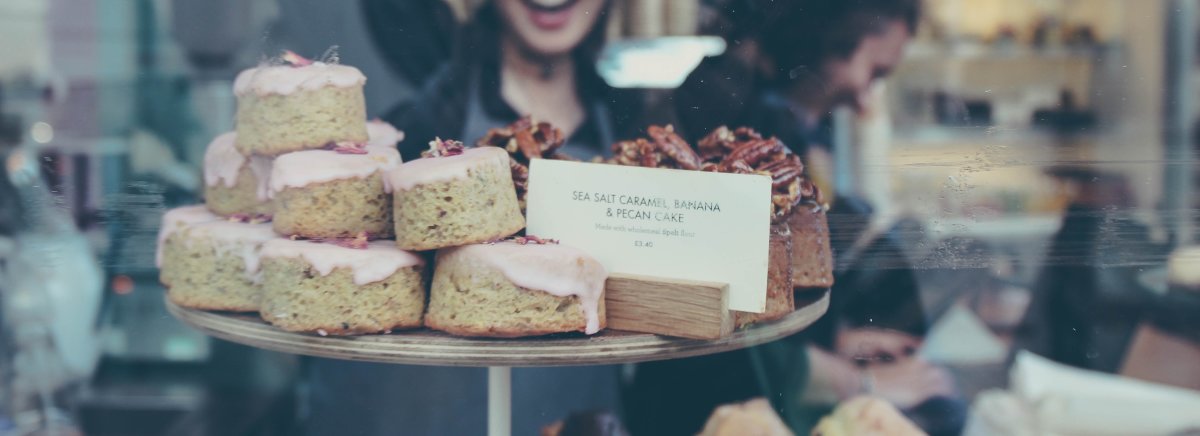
[312, 220]
[292, 199]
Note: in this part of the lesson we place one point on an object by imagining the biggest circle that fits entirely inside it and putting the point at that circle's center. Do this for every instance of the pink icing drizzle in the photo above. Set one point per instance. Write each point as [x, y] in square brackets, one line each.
[439, 169]
[178, 219]
[261, 167]
[304, 168]
[222, 161]
[379, 261]
[244, 240]
[284, 79]
[382, 134]
[556, 269]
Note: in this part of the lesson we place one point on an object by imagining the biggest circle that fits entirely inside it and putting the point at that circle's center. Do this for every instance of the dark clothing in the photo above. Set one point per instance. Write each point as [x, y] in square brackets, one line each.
[415, 38]
[1088, 301]
[443, 104]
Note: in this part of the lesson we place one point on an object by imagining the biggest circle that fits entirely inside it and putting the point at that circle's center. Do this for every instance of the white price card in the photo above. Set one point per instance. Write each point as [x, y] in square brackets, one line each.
[664, 223]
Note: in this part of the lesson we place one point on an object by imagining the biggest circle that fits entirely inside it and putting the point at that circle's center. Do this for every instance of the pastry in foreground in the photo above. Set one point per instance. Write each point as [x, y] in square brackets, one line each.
[587, 424]
[866, 416]
[331, 289]
[752, 418]
[524, 287]
[300, 105]
[454, 197]
[211, 263]
[234, 183]
[333, 193]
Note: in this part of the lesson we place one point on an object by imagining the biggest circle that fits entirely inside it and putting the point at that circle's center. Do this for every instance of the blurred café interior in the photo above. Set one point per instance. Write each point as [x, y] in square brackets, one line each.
[1030, 163]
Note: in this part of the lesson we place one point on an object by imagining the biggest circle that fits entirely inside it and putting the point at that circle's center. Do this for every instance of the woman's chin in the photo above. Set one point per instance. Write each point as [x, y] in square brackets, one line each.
[548, 48]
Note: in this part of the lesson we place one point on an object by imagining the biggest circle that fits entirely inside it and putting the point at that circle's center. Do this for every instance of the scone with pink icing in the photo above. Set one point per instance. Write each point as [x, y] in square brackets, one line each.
[301, 105]
[333, 193]
[207, 262]
[331, 289]
[235, 183]
[454, 196]
[516, 288]
[169, 252]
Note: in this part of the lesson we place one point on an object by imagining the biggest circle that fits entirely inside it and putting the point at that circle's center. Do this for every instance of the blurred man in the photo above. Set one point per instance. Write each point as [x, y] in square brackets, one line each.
[791, 64]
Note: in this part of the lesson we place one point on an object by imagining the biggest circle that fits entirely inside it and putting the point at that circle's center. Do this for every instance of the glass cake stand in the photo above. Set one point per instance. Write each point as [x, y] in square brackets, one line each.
[432, 348]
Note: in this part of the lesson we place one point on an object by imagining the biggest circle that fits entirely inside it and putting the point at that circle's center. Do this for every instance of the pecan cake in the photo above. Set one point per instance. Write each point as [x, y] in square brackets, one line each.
[525, 140]
[454, 196]
[796, 201]
[207, 262]
[300, 105]
[235, 183]
[338, 289]
[521, 287]
[665, 149]
[337, 193]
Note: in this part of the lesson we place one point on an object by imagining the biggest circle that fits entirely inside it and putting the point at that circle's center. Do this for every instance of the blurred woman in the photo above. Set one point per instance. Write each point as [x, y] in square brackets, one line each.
[519, 57]
[516, 57]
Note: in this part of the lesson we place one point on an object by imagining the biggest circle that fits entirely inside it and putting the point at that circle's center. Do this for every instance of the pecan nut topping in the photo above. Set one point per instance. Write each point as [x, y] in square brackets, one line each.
[524, 140]
[745, 151]
[664, 149]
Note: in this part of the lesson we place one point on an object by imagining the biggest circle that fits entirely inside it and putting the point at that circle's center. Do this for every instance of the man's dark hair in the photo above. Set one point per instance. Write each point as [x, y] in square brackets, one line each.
[799, 35]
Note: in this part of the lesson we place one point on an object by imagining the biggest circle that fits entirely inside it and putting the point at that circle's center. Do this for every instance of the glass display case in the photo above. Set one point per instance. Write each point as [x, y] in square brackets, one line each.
[982, 217]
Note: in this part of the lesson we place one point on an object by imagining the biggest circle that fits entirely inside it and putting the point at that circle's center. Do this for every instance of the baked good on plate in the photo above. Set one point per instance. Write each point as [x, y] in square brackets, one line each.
[338, 289]
[171, 241]
[211, 263]
[235, 183]
[812, 261]
[300, 105]
[781, 299]
[454, 196]
[521, 287]
[333, 193]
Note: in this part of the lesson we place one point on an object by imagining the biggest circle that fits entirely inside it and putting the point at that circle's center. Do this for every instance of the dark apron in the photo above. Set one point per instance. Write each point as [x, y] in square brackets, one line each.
[356, 398]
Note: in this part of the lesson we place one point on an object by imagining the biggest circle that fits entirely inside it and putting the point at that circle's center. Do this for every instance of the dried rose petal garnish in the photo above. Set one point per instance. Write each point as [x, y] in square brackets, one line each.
[443, 148]
[531, 239]
[296, 60]
[255, 218]
[348, 148]
[358, 242]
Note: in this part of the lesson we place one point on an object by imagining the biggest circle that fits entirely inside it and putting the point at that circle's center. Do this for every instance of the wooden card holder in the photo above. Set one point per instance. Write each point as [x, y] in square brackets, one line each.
[670, 307]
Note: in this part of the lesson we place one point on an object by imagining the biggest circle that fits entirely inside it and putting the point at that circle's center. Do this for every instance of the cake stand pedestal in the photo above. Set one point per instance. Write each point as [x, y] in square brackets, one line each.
[433, 348]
